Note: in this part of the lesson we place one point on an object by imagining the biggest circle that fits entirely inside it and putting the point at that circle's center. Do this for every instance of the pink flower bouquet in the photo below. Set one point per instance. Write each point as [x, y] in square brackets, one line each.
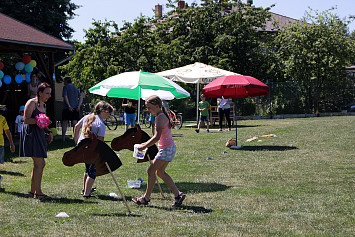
[42, 121]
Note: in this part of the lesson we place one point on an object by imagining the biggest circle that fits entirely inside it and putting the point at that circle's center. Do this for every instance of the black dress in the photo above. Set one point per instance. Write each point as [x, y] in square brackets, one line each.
[33, 141]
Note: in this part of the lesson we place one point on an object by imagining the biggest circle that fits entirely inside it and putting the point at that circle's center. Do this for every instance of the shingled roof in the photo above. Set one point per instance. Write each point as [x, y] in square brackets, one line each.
[16, 32]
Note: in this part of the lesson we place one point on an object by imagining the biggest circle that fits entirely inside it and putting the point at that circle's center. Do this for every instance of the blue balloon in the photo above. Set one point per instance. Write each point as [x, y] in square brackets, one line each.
[28, 68]
[19, 66]
[18, 78]
[28, 77]
[7, 79]
[1, 74]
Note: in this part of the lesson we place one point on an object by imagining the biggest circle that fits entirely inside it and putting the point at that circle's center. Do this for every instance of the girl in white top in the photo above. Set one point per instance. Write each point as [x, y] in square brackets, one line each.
[224, 110]
[92, 124]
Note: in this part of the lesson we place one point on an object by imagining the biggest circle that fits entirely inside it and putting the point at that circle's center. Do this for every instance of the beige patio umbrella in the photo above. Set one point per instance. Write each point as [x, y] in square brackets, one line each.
[197, 73]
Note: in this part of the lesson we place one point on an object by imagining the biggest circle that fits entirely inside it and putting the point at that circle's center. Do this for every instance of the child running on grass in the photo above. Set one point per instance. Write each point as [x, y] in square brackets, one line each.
[166, 153]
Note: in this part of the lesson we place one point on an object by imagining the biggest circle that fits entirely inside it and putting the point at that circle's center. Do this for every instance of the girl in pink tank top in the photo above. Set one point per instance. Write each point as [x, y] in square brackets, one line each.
[166, 153]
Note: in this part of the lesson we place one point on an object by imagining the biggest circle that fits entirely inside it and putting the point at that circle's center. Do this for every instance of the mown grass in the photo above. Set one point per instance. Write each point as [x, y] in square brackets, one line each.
[298, 183]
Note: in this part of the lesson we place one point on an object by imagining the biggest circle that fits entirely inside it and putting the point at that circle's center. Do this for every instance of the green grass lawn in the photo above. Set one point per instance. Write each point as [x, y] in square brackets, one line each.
[301, 182]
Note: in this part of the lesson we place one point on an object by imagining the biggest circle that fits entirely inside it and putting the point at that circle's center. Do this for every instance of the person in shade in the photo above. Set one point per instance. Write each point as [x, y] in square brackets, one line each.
[203, 107]
[130, 107]
[71, 107]
[224, 109]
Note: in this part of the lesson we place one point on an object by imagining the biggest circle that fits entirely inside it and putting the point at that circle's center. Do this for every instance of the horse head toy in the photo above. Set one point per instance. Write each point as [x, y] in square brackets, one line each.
[134, 136]
[93, 151]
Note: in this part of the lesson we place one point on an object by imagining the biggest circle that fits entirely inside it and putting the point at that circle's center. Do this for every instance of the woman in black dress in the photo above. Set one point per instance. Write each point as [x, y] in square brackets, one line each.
[33, 142]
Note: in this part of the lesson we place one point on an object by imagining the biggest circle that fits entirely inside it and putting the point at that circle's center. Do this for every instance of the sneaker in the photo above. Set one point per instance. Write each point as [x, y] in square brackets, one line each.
[229, 129]
[207, 130]
[197, 130]
[179, 199]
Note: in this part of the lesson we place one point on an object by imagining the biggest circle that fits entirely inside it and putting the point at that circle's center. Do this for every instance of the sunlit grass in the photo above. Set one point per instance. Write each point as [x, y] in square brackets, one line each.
[300, 182]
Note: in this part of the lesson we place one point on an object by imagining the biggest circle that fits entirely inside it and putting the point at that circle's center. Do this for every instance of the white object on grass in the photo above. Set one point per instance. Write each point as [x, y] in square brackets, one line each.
[112, 195]
[62, 214]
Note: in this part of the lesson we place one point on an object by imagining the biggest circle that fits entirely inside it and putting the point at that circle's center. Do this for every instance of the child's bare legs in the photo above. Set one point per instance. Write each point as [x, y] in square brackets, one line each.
[36, 175]
[88, 186]
[158, 166]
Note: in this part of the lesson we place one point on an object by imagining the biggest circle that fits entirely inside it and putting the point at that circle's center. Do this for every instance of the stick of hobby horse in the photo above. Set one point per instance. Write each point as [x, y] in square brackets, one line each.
[124, 199]
[161, 191]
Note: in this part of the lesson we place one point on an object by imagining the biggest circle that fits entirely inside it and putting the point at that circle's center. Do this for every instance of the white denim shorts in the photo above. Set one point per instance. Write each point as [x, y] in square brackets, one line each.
[166, 154]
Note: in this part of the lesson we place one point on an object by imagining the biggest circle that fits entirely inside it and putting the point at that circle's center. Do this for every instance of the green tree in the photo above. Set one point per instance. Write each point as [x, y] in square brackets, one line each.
[49, 16]
[209, 33]
[313, 55]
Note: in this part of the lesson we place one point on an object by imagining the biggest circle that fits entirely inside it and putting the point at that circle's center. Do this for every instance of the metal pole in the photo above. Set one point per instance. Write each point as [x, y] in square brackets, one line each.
[236, 128]
[197, 96]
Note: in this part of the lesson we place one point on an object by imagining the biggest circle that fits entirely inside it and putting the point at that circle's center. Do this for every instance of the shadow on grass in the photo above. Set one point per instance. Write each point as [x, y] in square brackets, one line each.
[268, 148]
[195, 209]
[11, 173]
[19, 161]
[118, 215]
[187, 187]
[53, 199]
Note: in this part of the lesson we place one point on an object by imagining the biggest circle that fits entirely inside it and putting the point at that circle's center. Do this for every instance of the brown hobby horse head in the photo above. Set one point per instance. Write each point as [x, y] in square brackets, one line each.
[93, 151]
[134, 136]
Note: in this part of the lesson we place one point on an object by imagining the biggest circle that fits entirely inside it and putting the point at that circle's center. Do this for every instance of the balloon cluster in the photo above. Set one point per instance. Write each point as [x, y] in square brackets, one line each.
[42, 120]
[26, 67]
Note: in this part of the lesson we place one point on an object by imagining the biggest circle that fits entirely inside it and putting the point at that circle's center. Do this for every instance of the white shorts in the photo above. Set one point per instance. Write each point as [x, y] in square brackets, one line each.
[166, 154]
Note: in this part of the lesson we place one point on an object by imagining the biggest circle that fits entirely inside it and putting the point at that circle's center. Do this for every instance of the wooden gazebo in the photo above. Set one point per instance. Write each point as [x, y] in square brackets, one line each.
[18, 38]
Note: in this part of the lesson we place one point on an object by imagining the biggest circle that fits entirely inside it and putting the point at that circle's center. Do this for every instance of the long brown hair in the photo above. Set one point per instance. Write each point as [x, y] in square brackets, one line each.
[155, 100]
[100, 106]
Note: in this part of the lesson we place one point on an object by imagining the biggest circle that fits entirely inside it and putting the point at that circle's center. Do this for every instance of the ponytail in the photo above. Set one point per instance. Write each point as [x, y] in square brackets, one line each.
[155, 100]
[102, 105]
[88, 125]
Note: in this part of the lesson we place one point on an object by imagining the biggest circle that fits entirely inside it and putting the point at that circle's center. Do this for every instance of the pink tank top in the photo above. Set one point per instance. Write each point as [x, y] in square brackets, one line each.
[166, 139]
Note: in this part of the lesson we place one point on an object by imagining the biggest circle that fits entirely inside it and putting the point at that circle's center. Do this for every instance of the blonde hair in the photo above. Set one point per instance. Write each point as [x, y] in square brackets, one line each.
[155, 100]
[100, 106]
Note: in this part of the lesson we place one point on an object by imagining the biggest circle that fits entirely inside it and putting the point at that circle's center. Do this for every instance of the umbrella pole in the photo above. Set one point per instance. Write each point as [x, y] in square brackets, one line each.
[197, 96]
[139, 104]
[236, 128]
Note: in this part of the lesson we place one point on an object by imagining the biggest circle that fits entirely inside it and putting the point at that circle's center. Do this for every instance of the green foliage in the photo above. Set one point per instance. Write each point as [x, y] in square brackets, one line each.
[303, 65]
[49, 16]
[313, 56]
[211, 34]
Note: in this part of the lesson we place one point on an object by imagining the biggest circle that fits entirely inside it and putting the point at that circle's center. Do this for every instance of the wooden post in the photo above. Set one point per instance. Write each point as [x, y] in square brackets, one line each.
[124, 199]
